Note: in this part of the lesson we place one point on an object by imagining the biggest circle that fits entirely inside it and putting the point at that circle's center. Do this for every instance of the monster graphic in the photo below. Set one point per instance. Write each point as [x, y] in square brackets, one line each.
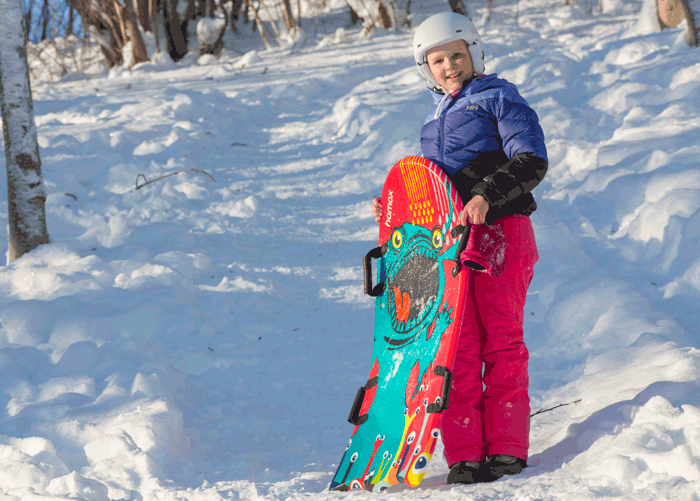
[414, 295]
[396, 414]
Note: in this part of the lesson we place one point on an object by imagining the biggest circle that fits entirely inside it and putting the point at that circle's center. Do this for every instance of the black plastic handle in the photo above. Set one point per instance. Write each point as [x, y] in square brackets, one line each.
[375, 253]
[445, 373]
[465, 231]
[355, 417]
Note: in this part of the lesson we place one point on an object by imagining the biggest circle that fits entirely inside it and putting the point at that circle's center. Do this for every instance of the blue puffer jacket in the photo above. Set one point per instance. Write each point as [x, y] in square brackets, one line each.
[489, 140]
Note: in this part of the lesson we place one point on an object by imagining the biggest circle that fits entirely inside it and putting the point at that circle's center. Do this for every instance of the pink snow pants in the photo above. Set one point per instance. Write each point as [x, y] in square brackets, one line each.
[489, 405]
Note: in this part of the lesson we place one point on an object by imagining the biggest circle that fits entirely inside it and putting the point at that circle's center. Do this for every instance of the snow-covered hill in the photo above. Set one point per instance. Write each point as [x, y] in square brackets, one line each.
[203, 339]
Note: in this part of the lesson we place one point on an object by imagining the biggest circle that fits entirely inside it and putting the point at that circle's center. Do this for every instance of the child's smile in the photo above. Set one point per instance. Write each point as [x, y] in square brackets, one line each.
[451, 65]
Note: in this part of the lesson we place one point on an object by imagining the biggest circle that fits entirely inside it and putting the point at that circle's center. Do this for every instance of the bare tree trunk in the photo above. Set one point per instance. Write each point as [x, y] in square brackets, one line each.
[258, 23]
[459, 7]
[354, 16]
[152, 7]
[142, 12]
[191, 11]
[71, 20]
[235, 13]
[691, 11]
[26, 195]
[384, 17]
[105, 23]
[177, 44]
[288, 16]
[28, 17]
[218, 44]
[138, 46]
[369, 23]
[246, 14]
[45, 15]
[269, 16]
[120, 19]
[489, 10]
[129, 26]
[84, 24]
[113, 45]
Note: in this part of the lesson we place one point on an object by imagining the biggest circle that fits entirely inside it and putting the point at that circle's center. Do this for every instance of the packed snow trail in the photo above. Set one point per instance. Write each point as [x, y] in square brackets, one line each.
[199, 339]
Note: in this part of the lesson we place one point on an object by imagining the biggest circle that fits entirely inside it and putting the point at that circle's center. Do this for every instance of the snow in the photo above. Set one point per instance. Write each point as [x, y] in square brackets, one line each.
[208, 30]
[204, 340]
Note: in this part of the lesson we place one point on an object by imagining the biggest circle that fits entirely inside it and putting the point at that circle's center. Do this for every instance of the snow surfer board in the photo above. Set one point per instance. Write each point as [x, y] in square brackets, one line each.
[419, 293]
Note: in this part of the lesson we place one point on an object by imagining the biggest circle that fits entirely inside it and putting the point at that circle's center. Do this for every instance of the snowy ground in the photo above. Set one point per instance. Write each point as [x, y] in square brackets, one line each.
[203, 340]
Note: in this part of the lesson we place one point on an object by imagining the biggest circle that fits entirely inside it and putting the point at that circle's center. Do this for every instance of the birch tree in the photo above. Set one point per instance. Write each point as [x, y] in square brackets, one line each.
[26, 195]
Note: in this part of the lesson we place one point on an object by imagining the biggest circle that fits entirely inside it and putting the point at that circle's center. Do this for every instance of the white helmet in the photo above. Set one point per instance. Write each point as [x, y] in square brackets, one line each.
[444, 28]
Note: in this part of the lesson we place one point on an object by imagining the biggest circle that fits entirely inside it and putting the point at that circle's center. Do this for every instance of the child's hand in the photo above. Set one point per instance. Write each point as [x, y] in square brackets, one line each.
[475, 211]
[377, 208]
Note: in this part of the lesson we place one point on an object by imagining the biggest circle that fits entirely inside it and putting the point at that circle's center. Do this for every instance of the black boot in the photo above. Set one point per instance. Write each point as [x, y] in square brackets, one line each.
[465, 472]
[501, 464]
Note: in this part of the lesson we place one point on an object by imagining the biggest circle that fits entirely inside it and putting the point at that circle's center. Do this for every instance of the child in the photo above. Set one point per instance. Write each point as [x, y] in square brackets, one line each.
[489, 141]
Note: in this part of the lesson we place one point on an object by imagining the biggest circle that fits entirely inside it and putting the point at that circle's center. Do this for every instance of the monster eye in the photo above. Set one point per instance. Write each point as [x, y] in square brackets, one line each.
[437, 238]
[355, 484]
[435, 433]
[354, 457]
[385, 455]
[411, 438]
[397, 239]
[421, 464]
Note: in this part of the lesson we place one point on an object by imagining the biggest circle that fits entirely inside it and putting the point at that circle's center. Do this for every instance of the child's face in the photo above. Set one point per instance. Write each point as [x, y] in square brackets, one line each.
[451, 64]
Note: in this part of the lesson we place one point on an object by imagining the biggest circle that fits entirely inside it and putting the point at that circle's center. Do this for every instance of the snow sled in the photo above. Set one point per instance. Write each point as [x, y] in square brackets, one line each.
[419, 291]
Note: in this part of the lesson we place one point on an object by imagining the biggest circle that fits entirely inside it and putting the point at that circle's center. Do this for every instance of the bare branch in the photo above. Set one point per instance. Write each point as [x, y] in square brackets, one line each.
[542, 411]
[146, 181]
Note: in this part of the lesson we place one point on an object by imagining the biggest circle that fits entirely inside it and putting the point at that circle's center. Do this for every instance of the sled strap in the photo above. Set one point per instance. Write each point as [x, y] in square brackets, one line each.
[443, 372]
[465, 231]
[375, 253]
[355, 417]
